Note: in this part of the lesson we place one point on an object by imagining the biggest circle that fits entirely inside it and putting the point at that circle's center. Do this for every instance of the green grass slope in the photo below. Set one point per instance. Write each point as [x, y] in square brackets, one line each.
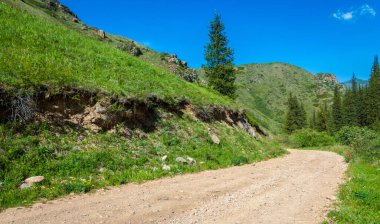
[263, 89]
[78, 161]
[57, 13]
[35, 51]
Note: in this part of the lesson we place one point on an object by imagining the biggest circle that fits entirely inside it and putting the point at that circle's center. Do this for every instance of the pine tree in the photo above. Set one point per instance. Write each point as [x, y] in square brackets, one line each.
[350, 105]
[361, 106]
[323, 119]
[337, 113]
[220, 72]
[373, 98]
[295, 116]
[302, 117]
[313, 120]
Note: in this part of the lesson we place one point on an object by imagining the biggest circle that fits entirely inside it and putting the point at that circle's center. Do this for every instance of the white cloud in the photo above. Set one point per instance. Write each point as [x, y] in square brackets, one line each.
[343, 15]
[367, 10]
[364, 10]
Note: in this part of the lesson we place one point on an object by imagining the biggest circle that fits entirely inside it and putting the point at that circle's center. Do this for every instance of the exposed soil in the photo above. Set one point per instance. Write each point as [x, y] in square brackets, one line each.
[97, 111]
[296, 188]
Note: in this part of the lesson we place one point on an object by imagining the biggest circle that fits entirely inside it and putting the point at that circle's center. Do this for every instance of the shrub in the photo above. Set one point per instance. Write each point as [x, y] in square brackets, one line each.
[356, 137]
[311, 138]
[241, 160]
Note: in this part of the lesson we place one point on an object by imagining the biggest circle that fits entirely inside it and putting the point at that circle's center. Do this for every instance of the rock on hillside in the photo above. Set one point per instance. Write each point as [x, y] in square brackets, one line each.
[328, 80]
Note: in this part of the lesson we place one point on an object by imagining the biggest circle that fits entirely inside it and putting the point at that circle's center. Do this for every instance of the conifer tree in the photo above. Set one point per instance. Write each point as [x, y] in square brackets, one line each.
[373, 97]
[303, 117]
[323, 119]
[361, 106]
[350, 105]
[220, 71]
[313, 120]
[337, 113]
[295, 116]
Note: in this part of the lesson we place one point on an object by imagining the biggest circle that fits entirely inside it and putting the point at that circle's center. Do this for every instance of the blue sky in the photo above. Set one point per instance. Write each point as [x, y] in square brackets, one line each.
[338, 36]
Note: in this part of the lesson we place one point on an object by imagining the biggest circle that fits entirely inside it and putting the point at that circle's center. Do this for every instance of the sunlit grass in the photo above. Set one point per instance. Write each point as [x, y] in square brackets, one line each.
[35, 51]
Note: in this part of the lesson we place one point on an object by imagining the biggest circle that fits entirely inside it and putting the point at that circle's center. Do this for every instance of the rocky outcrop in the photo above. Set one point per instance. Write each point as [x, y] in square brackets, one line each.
[101, 34]
[173, 59]
[230, 117]
[327, 78]
[131, 48]
[56, 5]
[179, 67]
[327, 83]
[98, 111]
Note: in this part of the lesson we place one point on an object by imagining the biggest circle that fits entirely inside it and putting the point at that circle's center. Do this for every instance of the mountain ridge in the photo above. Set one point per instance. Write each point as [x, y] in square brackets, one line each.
[263, 89]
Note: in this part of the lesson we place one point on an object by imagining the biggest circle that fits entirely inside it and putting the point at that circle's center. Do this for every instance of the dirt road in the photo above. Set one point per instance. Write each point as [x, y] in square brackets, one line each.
[292, 189]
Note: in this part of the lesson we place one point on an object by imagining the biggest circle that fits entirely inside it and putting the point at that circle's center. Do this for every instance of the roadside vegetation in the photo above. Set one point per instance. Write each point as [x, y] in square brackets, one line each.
[350, 127]
[359, 197]
[76, 161]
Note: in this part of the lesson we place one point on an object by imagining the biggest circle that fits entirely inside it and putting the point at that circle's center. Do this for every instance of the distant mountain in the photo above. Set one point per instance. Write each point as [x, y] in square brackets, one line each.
[264, 90]
[361, 82]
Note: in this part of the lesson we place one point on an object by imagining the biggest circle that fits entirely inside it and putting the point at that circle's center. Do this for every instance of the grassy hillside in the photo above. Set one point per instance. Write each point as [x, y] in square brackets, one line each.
[37, 52]
[88, 101]
[264, 89]
[54, 12]
[76, 161]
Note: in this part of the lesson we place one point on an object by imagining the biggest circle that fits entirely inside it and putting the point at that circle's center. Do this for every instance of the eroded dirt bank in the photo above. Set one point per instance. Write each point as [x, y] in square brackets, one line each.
[296, 188]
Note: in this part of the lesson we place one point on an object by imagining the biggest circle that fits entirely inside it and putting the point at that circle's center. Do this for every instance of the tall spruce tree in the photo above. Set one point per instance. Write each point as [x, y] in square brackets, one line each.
[220, 71]
[295, 115]
[373, 97]
[350, 104]
[361, 106]
[303, 117]
[313, 120]
[337, 112]
[323, 118]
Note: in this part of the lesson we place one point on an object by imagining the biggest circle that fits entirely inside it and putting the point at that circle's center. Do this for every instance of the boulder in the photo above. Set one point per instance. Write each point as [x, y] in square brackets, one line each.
[33, 180]
[190, 160]
[125, 132]
[181, 160]
[25, 186]
[164, 158]
[165, 167]
[101, 34]
[215, 139]
[173, 59]
[75, 20]
[100, 109]
[184, 63]
[135, 51]
[29, 182]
